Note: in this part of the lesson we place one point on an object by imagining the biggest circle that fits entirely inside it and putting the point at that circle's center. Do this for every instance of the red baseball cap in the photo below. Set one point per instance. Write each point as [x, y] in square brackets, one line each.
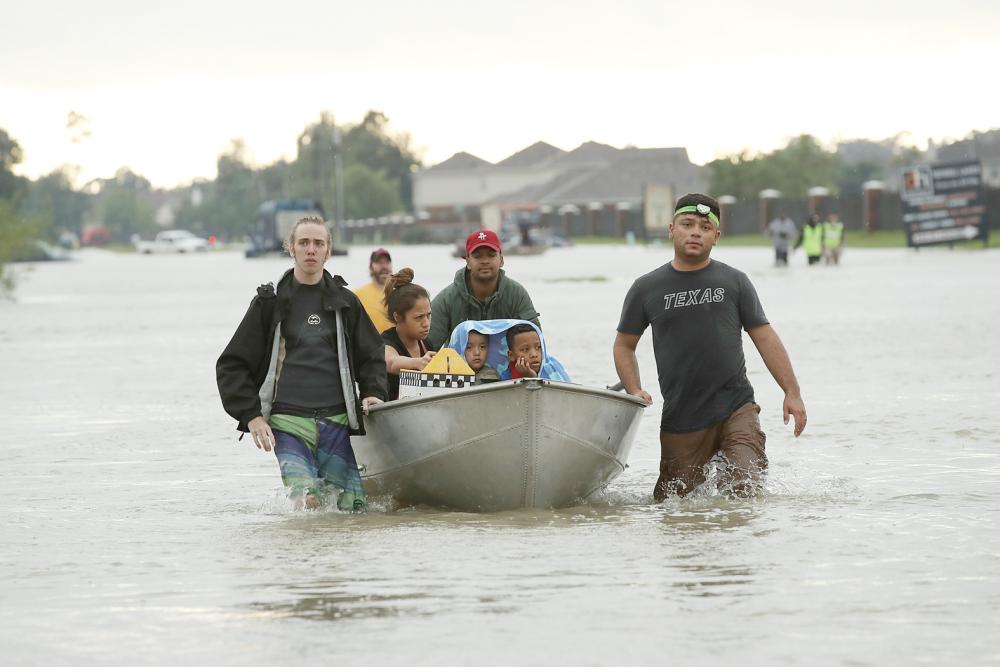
[379, 252]
[483, 237]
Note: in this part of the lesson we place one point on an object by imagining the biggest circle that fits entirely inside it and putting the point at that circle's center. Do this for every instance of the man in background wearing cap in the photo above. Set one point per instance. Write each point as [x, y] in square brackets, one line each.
[481, 291]
[371, 294]
[697, 308]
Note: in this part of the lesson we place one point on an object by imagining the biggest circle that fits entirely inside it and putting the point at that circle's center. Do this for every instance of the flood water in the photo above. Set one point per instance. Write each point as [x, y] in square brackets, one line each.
[137, 530]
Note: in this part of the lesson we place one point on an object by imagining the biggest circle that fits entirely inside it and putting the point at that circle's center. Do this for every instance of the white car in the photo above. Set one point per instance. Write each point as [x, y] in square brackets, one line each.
[172, 240]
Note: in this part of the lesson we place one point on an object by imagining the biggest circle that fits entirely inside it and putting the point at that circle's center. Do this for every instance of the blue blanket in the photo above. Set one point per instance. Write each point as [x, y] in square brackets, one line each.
[497, 355]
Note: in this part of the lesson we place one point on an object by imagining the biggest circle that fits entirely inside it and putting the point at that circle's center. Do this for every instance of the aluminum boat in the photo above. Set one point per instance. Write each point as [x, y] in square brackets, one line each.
[526, 443]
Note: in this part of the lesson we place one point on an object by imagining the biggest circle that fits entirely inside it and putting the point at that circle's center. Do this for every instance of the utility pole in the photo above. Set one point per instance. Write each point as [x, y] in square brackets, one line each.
[338, 177]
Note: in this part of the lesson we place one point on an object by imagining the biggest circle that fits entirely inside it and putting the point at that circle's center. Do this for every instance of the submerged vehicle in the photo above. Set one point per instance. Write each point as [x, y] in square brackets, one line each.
[275, 221]
[526, 443]
[172, 241]
[40, 251]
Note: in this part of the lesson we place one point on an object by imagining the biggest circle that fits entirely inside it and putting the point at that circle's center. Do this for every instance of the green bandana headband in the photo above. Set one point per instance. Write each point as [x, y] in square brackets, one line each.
[700, 209]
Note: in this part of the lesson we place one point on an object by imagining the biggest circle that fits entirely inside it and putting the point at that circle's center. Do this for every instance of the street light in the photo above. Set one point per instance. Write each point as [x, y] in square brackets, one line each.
[338, 177]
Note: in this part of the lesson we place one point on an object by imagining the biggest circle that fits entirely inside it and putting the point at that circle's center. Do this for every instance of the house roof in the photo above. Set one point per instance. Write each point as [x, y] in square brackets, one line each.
[461, 160]
[538, 192]
[533, 154]
[981, 145]
[621, 179]
[589, 152]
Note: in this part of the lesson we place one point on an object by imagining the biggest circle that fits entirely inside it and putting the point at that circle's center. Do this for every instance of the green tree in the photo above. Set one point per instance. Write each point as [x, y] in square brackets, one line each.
[735, 175]
[376, 171]
[12, 186]
[369, 193]
[370, 143]
[124, 205]
[194, 210]
[53, 198]
[274, 180]
[853, 177]
[17, 232]
[312, 172]
[226, 206]
[801, 164]
[236, 196]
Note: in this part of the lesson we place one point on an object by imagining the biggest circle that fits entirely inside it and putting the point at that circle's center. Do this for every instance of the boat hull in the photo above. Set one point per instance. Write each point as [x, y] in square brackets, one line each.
[500, 446]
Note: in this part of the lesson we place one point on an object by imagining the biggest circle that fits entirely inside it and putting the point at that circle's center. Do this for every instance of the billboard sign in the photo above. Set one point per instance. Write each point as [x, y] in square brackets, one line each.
[658, 209]
[943, 203]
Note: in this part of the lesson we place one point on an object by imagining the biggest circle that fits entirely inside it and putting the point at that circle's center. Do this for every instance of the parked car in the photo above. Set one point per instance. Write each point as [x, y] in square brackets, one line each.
[172, 240]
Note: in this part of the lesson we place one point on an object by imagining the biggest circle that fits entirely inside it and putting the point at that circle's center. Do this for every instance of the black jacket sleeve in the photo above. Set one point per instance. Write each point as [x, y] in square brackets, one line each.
[240, 369]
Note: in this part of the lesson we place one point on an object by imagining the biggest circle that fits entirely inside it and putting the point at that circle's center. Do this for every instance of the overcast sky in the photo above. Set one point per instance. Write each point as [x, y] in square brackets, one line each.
[167, 86]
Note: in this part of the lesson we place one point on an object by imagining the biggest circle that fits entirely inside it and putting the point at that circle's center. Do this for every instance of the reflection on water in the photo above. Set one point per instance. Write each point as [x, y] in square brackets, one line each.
[317, 605]
[134, 519]
[682, 518]
[714, 581]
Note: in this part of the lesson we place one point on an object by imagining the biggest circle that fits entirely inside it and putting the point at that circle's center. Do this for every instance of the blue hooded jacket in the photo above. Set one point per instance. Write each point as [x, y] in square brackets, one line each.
[496, 355]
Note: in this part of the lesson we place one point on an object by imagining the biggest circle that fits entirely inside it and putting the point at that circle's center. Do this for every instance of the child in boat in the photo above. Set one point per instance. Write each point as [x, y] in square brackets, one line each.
[476, 350]
[524, 350]
[497, 356]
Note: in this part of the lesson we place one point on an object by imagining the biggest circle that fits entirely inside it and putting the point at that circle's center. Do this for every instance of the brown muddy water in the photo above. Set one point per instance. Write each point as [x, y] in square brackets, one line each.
[137, 530]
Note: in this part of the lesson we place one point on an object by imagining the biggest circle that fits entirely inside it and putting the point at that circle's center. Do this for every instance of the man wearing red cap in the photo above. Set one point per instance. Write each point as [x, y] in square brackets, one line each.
[481, 291]
[372, 293]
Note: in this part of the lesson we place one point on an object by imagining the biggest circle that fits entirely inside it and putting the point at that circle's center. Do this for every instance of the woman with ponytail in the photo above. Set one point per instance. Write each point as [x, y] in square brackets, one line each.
[409, 307]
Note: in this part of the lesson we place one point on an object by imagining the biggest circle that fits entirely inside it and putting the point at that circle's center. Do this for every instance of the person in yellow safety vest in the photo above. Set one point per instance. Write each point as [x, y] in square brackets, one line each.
[833, 239]
[811, 239]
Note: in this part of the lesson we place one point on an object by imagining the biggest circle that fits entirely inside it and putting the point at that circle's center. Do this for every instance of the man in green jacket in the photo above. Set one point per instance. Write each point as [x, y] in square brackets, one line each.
[481, 291]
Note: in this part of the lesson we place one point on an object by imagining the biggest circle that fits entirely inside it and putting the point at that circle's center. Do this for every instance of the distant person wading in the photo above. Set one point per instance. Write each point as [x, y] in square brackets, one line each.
[833, 239]
[811, 239]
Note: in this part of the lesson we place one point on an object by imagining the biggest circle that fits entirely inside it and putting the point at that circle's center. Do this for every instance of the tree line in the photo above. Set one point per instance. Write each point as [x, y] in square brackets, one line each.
[803, 163]
[377, 166]
[377, 173]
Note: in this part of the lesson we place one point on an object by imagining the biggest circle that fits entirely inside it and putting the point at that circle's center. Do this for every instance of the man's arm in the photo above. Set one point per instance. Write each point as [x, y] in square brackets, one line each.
[772, 351]
[526, 309]
[238, 365]
[627, 365]
[235, 373]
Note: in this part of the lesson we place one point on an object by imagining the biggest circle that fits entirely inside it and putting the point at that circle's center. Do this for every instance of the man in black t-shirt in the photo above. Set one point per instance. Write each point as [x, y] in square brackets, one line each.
[697, 308]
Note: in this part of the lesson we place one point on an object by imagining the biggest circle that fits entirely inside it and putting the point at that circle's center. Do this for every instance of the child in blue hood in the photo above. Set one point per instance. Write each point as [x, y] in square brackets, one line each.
[498, 352]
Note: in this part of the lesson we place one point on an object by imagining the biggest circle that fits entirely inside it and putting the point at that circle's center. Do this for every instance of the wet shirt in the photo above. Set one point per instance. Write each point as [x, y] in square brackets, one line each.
[310, 375]
[391, 338]
[697, 319]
